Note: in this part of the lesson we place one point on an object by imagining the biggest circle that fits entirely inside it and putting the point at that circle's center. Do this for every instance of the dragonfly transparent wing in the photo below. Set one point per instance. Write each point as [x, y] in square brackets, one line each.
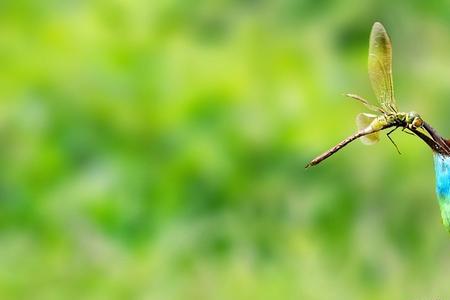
[365, 102]
[363, 121]
[380, 67]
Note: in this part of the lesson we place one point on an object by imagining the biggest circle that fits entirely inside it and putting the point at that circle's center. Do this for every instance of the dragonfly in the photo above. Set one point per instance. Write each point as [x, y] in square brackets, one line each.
[369, 125]
[388, 116]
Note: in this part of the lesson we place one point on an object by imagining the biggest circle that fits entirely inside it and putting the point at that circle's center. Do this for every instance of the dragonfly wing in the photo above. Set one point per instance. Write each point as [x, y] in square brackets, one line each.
[365, 102]
[363, 121]
[380, 67]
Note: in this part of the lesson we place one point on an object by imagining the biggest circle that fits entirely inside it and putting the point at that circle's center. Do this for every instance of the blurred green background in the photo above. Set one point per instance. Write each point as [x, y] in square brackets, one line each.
[156, 150]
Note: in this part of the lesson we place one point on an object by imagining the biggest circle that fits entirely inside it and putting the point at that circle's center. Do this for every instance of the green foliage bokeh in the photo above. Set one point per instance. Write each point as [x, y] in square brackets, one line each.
[156, 150]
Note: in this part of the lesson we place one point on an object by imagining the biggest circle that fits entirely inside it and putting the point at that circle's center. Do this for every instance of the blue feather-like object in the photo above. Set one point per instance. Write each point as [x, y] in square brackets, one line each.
[442, 169]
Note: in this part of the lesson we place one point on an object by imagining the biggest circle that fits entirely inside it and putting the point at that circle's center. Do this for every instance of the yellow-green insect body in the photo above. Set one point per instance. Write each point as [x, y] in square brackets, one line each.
[388, 116]
[372, 124]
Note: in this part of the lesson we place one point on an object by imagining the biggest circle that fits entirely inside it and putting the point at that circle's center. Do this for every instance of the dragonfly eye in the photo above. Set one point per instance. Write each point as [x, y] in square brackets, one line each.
[418, 122]
[414, 119]
[411, 116]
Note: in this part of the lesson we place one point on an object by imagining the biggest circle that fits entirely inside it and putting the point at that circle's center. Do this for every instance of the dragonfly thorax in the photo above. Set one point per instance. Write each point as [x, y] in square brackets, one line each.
[411, 120]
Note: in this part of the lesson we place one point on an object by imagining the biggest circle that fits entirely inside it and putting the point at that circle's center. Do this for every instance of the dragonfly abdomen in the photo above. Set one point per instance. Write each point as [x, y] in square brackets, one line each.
[342, 144]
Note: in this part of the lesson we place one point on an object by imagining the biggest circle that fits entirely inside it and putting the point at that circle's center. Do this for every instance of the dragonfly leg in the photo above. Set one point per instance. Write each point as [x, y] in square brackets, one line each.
[392, 107]
[388, 135]
[407, 131]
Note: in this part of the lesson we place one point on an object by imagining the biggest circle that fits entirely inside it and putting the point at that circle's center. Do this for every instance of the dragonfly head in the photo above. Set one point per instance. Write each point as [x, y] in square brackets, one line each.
[414, 120]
